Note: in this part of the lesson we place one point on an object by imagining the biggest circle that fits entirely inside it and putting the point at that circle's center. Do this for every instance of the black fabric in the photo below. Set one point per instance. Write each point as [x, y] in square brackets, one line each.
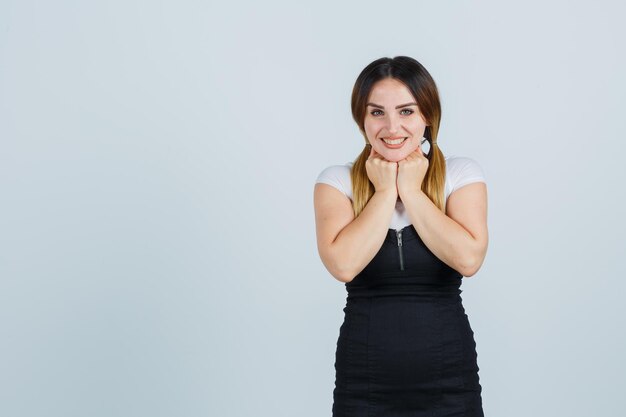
[406, 347]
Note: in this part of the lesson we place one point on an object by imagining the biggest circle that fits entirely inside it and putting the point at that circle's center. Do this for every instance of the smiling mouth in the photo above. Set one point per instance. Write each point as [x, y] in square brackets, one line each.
[394, 142]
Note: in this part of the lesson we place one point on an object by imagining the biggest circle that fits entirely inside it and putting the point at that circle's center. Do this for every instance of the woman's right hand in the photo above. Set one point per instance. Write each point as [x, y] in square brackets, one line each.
[382, 173]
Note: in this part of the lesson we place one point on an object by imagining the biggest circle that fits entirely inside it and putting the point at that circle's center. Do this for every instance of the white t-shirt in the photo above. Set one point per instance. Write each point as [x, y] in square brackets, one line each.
[460, 171]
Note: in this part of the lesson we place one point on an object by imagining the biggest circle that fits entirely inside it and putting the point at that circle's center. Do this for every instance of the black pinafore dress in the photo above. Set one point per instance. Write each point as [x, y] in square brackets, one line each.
[406, 347]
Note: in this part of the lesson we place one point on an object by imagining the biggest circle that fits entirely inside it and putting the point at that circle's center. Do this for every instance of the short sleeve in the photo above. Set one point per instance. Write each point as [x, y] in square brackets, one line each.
[337, 176]
[463, 171]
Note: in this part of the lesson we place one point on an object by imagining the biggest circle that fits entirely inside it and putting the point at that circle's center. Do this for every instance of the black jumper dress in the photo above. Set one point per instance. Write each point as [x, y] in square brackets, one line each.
[406, 347]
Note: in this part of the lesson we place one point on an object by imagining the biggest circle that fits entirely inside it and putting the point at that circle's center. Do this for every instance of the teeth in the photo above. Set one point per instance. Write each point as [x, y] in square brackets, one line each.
[395, 141]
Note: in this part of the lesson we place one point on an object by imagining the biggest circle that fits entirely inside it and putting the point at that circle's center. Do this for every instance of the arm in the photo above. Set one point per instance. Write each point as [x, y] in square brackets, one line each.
[347, 244]
[459, 238]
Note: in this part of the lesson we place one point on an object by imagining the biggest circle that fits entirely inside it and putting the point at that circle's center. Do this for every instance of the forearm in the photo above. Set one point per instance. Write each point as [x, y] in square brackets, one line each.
[445, 238]
[358, 242]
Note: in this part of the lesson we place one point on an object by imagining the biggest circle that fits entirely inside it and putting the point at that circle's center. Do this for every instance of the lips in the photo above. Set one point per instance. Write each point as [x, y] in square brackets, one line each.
[396, 146]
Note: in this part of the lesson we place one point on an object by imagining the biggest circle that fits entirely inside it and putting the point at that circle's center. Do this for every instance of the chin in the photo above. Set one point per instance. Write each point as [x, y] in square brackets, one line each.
[395, 158]
[392, 156]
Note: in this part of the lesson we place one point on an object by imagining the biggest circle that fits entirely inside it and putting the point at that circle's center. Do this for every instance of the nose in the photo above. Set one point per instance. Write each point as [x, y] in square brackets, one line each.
[393, 124]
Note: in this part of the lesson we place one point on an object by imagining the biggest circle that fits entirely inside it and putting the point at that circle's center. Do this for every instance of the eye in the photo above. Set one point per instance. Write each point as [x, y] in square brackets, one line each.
[374, 112]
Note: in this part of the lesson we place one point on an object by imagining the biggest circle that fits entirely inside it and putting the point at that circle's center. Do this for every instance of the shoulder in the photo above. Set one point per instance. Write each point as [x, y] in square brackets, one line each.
[337, 176]
[462, 170]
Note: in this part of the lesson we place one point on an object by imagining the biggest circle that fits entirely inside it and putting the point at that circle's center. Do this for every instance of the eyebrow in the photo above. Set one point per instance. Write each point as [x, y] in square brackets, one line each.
[397, 107]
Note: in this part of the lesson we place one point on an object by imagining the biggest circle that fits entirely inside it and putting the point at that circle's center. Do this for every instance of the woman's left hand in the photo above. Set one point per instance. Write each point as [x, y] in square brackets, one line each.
[411, 173]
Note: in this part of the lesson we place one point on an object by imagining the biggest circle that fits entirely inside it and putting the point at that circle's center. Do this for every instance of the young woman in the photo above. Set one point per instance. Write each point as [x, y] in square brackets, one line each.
[401, 228]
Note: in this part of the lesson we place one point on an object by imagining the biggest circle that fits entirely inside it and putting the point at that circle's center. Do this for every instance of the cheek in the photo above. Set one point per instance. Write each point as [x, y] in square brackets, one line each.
[373, 128]
[370, 131]
[416, 124]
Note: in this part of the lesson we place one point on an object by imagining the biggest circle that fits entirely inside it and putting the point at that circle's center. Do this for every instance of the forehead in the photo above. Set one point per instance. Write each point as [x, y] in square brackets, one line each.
[390, 90]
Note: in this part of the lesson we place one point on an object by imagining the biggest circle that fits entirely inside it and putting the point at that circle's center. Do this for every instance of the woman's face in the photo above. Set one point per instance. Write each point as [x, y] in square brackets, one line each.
[392, 113]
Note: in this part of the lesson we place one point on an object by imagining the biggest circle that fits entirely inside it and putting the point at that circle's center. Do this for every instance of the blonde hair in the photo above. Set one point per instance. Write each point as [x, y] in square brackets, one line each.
[423, 88]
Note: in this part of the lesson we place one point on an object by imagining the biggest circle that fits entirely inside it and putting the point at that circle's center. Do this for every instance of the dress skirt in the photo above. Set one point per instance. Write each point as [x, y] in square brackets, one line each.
[406, 347]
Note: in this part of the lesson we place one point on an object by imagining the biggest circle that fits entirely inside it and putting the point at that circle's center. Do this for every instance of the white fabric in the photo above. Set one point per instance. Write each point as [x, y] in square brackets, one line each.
[460, 171]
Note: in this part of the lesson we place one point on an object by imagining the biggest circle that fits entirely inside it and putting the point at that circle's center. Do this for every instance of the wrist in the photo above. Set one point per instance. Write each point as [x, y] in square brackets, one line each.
[412, 192]
[387, 193]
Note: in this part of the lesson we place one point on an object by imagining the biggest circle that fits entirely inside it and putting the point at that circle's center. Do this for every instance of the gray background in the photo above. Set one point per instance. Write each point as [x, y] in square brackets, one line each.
[157, 241]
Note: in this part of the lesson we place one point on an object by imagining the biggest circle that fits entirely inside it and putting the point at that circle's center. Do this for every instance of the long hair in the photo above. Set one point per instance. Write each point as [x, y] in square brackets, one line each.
[423, 88]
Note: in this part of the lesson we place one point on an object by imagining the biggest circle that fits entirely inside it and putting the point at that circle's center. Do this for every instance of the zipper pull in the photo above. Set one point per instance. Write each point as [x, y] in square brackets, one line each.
[399, 235]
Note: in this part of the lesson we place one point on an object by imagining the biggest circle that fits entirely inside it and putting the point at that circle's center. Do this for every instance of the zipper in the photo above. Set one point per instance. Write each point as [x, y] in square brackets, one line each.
[399, 235]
